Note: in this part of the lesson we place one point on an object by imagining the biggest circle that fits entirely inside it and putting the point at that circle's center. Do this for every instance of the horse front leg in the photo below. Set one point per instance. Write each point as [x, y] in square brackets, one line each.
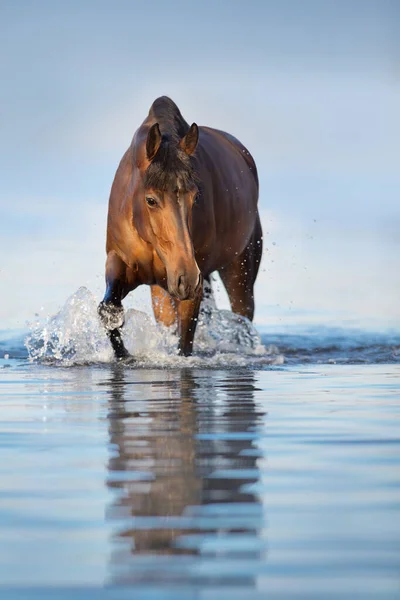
[110, 309]
[164, 306]
[188, 312]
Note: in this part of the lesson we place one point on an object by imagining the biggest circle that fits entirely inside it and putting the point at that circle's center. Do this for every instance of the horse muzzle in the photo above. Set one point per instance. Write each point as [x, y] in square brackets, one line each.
[186, 287]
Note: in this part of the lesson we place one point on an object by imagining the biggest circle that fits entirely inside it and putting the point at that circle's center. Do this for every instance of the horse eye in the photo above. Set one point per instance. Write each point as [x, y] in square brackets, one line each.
[196, 199]
[151, 202]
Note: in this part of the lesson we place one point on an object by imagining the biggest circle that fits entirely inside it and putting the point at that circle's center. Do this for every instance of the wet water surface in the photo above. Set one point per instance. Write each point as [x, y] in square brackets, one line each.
[119, 482]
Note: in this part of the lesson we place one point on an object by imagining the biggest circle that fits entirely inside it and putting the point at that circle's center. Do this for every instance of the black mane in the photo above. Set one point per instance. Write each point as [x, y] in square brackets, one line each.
[170, 163]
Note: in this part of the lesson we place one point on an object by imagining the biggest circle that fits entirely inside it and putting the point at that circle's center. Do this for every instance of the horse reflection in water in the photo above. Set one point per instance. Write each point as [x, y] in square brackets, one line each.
[182, 455]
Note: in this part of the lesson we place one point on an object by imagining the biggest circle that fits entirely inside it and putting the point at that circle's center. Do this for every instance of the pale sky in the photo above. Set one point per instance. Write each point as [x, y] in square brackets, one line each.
[312, 88]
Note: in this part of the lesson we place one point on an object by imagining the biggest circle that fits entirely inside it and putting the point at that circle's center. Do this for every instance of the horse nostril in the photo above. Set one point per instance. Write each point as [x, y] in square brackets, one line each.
[185, 286]
[181, 284]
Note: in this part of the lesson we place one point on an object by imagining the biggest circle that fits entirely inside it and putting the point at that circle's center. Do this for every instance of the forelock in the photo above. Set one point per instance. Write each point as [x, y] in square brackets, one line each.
[170, 166]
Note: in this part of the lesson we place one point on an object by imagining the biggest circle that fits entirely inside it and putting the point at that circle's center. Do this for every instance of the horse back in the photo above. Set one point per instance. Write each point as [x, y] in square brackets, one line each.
[237, 148]
[227, 213]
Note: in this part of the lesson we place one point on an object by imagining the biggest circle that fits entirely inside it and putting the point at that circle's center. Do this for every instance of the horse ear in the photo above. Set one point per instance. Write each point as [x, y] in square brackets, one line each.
[153, 141]
[189, 142]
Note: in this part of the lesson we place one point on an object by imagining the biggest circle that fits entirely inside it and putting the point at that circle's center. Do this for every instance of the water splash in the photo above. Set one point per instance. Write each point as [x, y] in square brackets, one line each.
[224, 331]
[75, 336]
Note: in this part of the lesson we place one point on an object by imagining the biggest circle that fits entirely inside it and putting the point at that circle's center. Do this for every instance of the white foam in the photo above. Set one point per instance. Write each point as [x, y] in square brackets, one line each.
[75, 336]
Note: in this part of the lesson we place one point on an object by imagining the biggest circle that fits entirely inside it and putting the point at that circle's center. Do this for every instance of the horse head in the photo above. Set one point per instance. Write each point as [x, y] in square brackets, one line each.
[163, 202]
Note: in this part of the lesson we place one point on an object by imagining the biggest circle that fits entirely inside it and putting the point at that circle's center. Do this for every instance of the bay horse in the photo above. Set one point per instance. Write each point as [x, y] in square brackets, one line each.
[183, 204]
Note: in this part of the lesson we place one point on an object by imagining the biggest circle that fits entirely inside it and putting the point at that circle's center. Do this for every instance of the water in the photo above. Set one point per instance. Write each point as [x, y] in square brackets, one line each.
[74, 336]
[263, 470]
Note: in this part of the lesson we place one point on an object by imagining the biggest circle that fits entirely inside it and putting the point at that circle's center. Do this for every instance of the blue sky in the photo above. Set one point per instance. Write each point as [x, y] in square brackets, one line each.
[312, 88]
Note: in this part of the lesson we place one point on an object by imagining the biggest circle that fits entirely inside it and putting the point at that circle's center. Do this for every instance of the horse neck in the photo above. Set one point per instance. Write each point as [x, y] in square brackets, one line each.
[170, 120]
